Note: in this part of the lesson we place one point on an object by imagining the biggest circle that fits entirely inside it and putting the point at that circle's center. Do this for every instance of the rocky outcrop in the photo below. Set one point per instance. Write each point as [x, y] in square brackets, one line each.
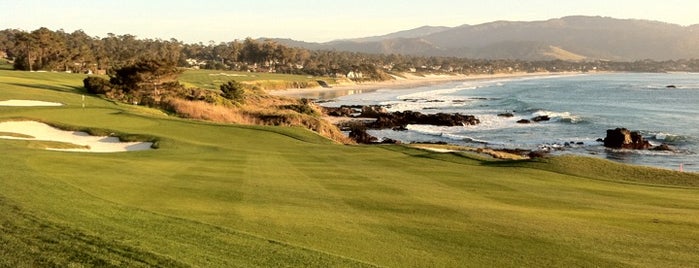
[663, 147]
[402, 119]
[506, 115]
[399, 120]
[372, 111]
[343, 111]
[541, 118]
[536, 119]
[622, 138]
[359, 135]
[369, 111]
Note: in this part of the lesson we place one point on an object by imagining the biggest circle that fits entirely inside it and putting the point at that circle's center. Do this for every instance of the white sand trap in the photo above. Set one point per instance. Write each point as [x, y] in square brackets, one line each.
[26, 103]
[44, 132]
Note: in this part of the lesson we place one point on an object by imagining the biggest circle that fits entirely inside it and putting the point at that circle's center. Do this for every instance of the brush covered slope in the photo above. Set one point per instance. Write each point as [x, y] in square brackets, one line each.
[220, 195]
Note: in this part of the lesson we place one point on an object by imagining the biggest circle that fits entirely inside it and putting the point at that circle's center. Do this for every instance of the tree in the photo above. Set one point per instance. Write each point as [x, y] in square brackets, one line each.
[233, 90]
[97, 85]
[145, 75]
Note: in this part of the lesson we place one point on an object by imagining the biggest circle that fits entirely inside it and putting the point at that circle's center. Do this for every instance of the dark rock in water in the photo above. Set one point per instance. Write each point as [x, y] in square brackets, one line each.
[671, 86]
[541, 118]
[506, 115]
[359, 134]
[600, 140]
[400, 128]
[580, 143]
[338, 111]
[621, 138]
[399, 120]
[402, 119]
[390, 141]
[663, 147]
[372, 111]
[523, 121]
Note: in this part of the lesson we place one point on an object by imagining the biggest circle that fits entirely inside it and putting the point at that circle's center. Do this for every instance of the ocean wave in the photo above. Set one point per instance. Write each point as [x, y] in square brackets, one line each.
[434, 94]
[444, 132]
[646, 152]
[438, 102]
[672, 86]
[464, 138]
[566, 117]
[669, 138]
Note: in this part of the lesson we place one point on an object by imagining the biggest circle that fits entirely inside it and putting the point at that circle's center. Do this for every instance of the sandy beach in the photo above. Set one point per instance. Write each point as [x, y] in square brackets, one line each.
[407, 81]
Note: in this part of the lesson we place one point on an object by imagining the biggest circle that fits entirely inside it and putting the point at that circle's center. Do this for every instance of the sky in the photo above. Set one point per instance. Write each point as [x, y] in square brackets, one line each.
[194, 21]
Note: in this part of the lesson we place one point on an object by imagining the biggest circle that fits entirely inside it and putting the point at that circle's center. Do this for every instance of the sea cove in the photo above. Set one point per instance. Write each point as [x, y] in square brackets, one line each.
[662, 107]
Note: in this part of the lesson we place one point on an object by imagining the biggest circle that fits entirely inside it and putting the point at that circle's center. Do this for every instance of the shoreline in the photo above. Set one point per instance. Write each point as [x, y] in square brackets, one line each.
[409, 81]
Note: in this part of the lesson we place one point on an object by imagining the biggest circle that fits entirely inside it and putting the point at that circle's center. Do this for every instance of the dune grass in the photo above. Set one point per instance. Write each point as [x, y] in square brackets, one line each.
[251, 196]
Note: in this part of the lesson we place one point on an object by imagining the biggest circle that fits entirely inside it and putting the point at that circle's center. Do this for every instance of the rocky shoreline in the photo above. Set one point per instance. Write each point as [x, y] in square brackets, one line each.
[359, 118]
[383, 119]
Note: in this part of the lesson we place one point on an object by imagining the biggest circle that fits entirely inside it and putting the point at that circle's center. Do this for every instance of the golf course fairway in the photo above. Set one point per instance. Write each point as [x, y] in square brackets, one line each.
[214, 195]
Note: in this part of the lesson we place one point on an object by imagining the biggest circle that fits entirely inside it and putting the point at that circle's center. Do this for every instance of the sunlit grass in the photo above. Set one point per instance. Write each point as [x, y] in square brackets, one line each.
[212, 79]
[218, 195]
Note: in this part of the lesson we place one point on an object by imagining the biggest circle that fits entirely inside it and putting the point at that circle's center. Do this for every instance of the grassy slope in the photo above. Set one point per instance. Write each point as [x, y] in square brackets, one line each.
[212, 79]
[255, 196]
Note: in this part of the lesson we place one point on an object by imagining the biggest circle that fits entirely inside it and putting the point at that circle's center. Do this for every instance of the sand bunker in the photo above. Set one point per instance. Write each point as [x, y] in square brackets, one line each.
[31, 130]
[26, 103]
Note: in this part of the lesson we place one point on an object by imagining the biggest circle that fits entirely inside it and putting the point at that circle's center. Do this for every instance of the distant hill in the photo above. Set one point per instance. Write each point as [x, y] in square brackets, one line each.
[413, 33]
[568, 38]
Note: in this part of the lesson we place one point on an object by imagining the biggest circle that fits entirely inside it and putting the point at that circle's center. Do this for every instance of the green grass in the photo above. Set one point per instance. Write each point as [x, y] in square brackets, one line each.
[244, 196]
[212, 79]
[5, 65]
[15, 135]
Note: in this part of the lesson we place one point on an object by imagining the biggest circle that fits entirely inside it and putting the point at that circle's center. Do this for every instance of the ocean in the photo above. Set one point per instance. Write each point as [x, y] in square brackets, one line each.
[664, 108]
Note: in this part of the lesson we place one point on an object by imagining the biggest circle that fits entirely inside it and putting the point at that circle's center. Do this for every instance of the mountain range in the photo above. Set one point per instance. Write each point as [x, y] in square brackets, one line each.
[572, 38]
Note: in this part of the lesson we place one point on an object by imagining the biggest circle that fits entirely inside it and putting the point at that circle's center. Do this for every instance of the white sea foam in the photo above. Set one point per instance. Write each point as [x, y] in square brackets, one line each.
[558, 116]
[445, 132]
[437, 94]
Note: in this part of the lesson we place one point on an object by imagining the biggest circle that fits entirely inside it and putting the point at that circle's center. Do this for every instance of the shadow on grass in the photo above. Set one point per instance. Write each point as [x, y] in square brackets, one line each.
[33, 241]
[59, 88]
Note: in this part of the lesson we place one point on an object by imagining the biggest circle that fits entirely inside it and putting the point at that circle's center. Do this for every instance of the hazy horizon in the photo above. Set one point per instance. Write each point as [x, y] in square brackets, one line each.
[311, 20]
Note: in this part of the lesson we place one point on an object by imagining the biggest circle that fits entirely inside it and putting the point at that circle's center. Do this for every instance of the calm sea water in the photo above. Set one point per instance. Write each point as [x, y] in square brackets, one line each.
[581, 108]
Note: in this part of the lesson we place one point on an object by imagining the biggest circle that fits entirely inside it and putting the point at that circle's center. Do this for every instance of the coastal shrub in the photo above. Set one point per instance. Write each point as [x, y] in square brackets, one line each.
[304, 106]
[97, 85]
[233, 90]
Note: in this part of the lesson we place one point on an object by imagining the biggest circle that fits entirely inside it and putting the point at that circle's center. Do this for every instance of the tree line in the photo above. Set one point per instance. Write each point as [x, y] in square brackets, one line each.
[44, 49]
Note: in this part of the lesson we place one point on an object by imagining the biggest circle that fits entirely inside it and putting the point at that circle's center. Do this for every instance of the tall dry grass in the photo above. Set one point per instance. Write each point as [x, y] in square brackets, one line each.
[202, 110]
[259, 110]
